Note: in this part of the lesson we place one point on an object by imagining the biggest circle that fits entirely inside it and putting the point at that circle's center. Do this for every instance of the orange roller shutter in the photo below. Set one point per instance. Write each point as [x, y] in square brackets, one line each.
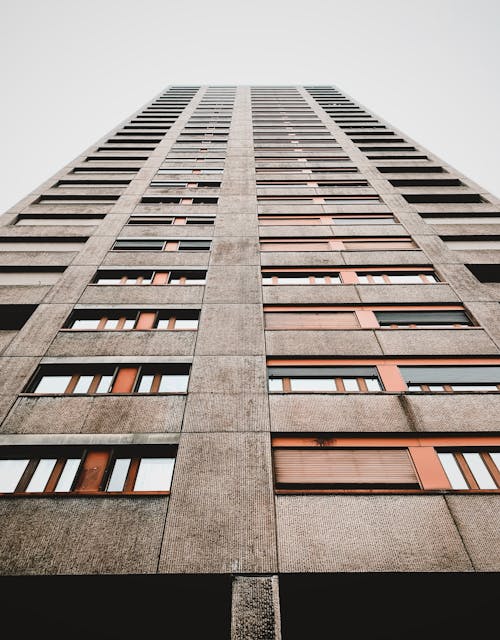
[312, 320]
[348, 467]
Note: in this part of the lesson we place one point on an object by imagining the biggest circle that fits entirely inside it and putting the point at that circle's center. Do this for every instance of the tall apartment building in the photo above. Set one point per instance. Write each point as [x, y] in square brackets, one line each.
[250, 379]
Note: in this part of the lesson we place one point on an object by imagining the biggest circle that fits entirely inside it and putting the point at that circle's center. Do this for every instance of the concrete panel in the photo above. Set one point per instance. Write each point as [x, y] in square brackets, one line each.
[337, 412]
[320, 343]
[97, 294]
[478, 521]
[230, 329]
[231, 504]
[70, 286]
[245, 411]
[133, 343]
[367, 533]
[401, 293]
[106, 534]
[435, 342]
[234, 224]
[233, 284]
[159, 258]
[385, 257]
[474, 411]
[310, 294]
[48, 414]
[15, 373]
[24, 294]
[235, 251]
[172, 231]
[301, 258]
[135, 414]
[39, 331]
[5, 339]
[228, 374]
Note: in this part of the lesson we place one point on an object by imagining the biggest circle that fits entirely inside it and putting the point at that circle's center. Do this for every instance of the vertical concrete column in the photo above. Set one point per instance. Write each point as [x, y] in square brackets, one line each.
[255, 613]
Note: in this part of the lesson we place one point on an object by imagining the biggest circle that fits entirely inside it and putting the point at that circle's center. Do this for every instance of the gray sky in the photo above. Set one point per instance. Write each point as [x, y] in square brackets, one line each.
[72, 69]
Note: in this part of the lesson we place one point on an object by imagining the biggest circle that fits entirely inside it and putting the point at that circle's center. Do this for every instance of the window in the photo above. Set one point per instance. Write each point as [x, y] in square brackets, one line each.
[178, 200]
[485, 272]
[341, 219]
[185, 185]
[395, 375]
[423, 318]
[336, 244]
[331, 379]
[42, 244]
[132, 277]
[102, 379]
[304, 317]
[452, 198]
[75, 470]
[14, 316]
[461, 218]
[187, 170]
[146, 244]
[61, 220]
[359, 463]
[398, 277]
[471, 243]
[126, 319]
[169, 220]
[452, 379]
[324, 199]
[293, 275]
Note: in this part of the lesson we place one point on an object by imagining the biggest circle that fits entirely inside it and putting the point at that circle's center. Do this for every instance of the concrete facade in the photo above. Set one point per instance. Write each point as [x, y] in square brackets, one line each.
[224, 516]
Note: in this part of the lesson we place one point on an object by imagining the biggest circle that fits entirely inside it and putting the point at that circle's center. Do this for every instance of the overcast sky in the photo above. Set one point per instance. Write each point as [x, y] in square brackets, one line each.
[72, 69]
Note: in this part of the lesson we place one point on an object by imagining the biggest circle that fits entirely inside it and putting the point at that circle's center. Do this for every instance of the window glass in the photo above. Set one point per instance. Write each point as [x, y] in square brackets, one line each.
[452, 471]
[154, 474]
[479, 471]
[129, 324]
[474, 387]
[68, 475]
[104, 384]
[111, 324]
[10, 474]
[145, 383]
[312, 384]
[372, 384]
[118, 475]
[41, 476]
[406, 279]
[186, 324]
[496, 459]
[275, 384]
[108, 281]
[350, 384]
[85, 324]
[293, 280]
[171, 383]
[83, 384]
[53, 384]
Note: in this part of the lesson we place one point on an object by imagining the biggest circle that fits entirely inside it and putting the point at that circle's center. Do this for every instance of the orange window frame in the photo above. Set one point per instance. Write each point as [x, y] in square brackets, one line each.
[364, 314]
[350, 275]
[92, 476]
[336, 244]
[388, 368]
[423, 452]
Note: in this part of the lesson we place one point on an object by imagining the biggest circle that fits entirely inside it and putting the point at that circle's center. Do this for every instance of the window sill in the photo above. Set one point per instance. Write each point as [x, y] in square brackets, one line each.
[426, 492]
[85, 494]
[100, 395]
